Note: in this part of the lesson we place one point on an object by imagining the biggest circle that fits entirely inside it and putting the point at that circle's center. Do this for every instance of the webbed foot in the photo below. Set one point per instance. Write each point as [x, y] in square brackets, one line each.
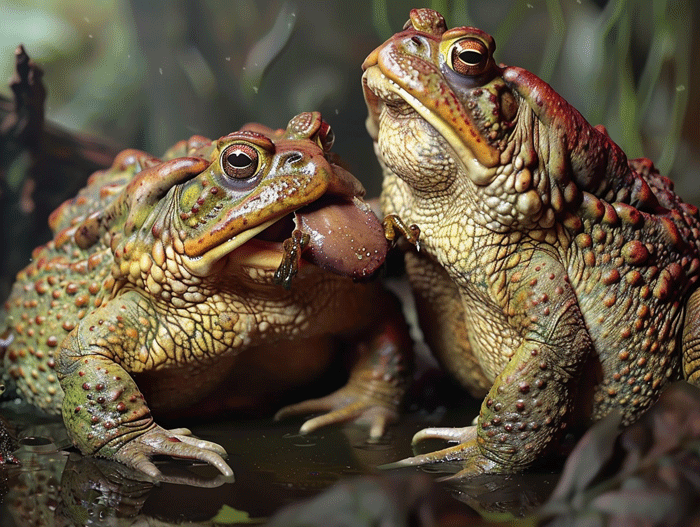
[178, 443]
[345, 405]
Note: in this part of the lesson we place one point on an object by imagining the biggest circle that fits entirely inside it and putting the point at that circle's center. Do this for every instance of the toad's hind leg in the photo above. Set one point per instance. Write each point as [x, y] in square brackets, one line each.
[377, 383]
[691, 339]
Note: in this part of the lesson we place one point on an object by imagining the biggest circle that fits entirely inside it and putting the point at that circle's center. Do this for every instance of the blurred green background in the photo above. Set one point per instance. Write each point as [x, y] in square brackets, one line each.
[146, 74]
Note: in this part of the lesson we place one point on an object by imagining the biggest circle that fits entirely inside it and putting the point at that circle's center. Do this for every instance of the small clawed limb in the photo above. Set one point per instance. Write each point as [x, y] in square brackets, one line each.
[178, 443]
[293, 247]
[344, 405]
[395, 226]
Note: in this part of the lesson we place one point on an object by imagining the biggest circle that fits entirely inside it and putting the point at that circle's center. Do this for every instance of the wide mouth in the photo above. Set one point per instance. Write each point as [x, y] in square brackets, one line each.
[265, 250]
[344, 237]
[382, 86]
[381, 92]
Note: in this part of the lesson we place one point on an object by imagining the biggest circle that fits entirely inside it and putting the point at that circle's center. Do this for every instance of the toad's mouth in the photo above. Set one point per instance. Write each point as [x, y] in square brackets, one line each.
[344, 237]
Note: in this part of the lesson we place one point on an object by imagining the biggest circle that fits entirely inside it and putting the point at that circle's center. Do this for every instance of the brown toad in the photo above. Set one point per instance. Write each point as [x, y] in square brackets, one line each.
[163, 280]
[555, 276]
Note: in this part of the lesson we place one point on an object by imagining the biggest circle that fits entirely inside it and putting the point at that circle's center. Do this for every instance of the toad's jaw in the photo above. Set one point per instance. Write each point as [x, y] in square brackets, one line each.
[344, 237]
[202, 265]
[260, 254]
[380, 90]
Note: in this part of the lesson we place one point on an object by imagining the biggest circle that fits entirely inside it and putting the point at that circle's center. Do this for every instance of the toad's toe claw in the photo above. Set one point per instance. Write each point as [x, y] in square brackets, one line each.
[141, 463]
[176, 443]
[467, 452]
[343, 406]
[457, 435]
[304, 407]
[459, 452]
[201, 444]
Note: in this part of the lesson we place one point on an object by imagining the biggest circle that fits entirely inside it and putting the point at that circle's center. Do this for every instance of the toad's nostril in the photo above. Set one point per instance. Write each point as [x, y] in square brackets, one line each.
[293, 158]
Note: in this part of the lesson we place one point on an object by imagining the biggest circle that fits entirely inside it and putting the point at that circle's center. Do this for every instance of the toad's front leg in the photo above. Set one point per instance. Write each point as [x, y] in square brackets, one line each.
[104, 411]
[530, 401]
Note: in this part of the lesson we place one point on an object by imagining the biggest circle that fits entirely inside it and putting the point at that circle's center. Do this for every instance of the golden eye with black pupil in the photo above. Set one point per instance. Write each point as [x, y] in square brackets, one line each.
[326, 136]
[240, 161]
[469, 56]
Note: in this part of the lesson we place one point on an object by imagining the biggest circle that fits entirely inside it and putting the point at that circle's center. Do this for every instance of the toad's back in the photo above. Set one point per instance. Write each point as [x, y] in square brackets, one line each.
[61, 285]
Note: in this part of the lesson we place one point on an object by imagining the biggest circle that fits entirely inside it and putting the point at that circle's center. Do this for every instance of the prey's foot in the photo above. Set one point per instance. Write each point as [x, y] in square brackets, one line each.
[178, 443]
[347, 404]
[395, 227]
[293, 247]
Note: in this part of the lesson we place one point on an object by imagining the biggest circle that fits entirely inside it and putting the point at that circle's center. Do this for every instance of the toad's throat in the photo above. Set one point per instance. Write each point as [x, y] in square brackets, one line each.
[383, 92]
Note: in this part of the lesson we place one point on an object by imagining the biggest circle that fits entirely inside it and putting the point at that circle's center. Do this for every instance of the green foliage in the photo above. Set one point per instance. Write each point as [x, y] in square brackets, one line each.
[649, 477]
[230, 516]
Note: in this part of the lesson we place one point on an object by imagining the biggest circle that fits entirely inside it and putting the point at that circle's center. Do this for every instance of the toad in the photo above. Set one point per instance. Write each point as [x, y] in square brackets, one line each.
[242, 257]
[556, 277]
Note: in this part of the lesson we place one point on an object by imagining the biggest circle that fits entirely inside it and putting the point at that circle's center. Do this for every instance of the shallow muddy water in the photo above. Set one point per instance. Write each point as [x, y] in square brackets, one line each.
[274, 467]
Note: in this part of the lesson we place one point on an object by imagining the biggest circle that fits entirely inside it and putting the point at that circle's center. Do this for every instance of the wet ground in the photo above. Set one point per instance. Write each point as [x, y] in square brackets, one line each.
[648, 475]
[274, 467]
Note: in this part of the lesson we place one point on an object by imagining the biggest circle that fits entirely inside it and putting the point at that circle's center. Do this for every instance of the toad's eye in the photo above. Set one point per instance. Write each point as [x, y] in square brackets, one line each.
[240, 161]
[469, 56]
[326, 136]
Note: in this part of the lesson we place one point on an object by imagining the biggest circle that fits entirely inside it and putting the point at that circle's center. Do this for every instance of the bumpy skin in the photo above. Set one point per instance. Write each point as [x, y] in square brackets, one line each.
[157, 287]
[555, 276]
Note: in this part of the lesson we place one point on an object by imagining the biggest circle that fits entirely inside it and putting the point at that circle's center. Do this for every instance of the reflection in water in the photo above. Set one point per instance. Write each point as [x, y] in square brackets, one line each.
[273, 466]
[98, 492]
[332, 475]
[34, 488]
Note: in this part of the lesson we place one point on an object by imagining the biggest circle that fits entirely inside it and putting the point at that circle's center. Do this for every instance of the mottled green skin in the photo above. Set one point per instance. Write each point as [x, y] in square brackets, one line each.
[61, 285]
[570, 273]
[150, 291]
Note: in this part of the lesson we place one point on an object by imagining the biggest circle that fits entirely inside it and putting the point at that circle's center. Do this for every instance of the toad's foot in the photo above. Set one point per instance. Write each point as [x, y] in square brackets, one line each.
[178, 442]
[346, 404]
[474, 462]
